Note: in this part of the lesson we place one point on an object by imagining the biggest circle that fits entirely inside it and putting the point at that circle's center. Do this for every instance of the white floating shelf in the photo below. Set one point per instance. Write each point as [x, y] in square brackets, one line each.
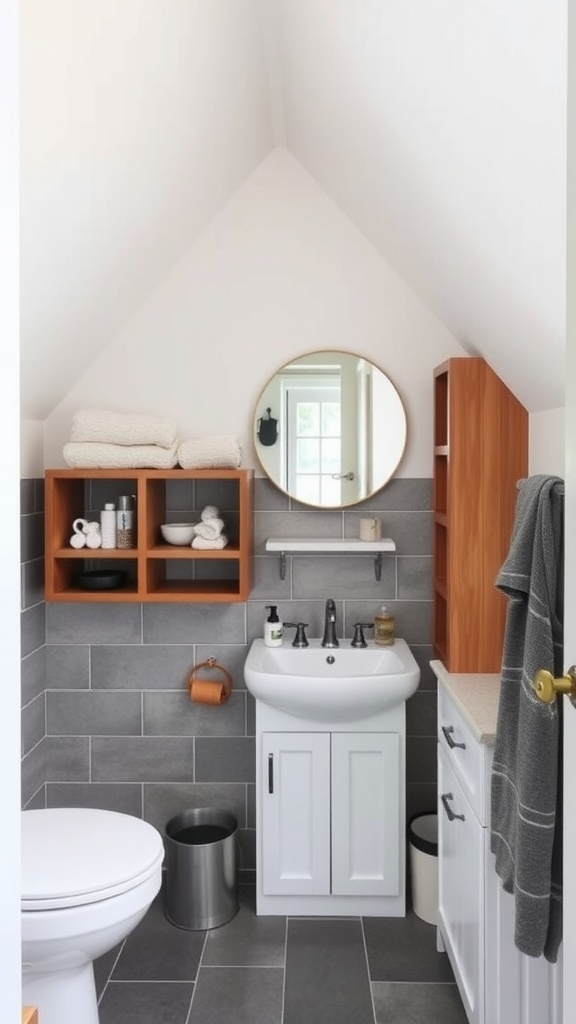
[321, 545]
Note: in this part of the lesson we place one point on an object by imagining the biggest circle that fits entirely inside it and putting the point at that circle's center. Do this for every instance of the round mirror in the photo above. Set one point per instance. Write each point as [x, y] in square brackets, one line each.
[329, 429]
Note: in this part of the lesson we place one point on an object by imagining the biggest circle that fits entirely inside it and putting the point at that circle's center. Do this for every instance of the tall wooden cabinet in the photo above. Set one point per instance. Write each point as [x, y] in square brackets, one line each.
[480, 452]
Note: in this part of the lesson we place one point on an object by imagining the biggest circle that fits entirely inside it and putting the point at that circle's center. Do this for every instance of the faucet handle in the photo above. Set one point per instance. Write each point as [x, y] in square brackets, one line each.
[300, 638]
[359, 639]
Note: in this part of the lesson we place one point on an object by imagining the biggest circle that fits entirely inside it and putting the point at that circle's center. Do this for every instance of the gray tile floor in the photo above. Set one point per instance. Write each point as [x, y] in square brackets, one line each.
[277, 970]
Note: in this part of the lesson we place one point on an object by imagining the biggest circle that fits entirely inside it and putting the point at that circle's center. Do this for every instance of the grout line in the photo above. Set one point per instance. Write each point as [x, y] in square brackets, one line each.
[284, 969]
[109, 978]
[370, 989]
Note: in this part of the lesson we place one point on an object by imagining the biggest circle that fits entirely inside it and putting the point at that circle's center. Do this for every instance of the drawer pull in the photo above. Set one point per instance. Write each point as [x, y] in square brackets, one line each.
[448, 730]
[452, 816]
[270, 773]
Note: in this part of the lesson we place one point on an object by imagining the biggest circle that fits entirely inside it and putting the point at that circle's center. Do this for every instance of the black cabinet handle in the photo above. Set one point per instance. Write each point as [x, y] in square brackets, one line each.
[452, 816]
[448, 730]
[270, 773]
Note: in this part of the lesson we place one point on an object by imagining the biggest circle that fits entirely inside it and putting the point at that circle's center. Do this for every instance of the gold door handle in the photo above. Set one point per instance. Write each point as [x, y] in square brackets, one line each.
[547, 686]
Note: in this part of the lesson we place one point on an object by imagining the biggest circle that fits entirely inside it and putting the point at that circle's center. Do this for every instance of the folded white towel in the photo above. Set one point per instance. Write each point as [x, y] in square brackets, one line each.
[211, 529]
[201, 544]
[218, 452]
[123, 428]
[91, 455]
[210, 512]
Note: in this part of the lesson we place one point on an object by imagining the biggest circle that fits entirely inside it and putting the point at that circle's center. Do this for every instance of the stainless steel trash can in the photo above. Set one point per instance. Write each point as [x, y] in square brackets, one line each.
[201, 888]
[423, 843]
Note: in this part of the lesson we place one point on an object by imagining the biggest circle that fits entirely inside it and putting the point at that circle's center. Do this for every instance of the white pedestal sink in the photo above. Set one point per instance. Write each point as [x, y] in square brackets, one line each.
[330, 777]
[331, 684]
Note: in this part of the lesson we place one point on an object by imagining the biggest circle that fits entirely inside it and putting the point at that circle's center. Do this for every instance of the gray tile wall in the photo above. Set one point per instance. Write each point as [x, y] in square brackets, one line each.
[107, 721]
[33, 635]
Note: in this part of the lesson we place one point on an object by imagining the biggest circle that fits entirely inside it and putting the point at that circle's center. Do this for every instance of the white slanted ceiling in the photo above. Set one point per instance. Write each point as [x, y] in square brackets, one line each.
[438, 128]
[140, 119]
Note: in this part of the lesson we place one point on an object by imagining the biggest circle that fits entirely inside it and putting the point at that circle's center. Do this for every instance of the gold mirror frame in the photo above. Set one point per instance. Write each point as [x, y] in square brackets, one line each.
[329, 429]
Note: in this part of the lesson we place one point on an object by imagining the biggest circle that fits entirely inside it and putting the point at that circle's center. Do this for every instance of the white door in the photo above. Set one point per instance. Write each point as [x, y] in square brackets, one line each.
[569, 951]
[366, 841]
[296, 813]
[569, 926]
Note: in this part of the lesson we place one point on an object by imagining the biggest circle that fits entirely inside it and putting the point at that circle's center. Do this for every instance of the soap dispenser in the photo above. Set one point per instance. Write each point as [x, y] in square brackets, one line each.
[273, 628]
[384, 627]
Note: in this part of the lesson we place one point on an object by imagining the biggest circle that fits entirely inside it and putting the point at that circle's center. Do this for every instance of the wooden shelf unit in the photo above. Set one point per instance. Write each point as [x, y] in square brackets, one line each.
[156, 571]
[480, 452]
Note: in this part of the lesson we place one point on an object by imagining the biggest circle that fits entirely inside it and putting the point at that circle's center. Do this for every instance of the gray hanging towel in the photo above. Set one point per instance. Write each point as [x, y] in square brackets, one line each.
[525, 828]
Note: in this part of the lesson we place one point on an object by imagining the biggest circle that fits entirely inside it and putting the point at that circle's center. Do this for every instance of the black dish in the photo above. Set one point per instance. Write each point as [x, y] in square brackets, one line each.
[101, 579]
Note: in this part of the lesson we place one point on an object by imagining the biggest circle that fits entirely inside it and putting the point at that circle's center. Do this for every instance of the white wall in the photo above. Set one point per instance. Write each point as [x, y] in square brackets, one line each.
[31, 448]
[280, 271]
[9, 522]
[546, 442]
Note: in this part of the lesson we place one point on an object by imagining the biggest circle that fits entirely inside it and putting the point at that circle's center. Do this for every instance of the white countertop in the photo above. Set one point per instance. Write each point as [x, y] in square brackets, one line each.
[476, 696]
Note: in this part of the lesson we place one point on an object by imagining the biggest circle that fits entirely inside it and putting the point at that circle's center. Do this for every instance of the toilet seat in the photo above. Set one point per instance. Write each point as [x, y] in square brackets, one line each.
[73, 856]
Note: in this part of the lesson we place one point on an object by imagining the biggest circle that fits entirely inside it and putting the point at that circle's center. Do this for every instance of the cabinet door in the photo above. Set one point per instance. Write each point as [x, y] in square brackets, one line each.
[461, 889]
[366, 814]
[296, 813]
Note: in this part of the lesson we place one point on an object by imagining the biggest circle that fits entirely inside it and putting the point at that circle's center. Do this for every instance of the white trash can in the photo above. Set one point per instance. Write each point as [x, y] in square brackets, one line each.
[423, 844]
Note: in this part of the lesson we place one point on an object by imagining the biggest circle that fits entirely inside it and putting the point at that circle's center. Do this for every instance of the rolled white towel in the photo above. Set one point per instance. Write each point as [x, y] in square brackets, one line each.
[210, 512]
[218, 452]
[123, 428]
[211, 529]
[201, 544]
[92, 455]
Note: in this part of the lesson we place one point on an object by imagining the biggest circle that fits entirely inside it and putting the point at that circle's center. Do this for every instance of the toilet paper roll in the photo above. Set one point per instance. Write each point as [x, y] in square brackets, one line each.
[209, 691]
[205, 691]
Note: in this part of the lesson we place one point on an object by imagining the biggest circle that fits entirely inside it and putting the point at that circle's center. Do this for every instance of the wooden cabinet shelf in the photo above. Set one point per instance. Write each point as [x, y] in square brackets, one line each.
[480, 452]
[156, 571]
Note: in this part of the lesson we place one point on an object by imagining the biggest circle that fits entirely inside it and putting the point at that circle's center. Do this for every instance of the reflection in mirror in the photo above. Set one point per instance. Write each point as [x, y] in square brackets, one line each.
[340, 432]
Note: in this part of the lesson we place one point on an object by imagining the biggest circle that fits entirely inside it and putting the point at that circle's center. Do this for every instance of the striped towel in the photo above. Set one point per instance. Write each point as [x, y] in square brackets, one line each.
[525, 828]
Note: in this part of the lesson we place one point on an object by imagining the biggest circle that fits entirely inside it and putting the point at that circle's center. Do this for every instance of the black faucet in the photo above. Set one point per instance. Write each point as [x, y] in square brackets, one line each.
[329, 638]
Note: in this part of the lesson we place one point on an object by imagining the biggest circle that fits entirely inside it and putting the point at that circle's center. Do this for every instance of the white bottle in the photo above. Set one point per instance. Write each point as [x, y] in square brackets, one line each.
[273, 628]
[108, 526]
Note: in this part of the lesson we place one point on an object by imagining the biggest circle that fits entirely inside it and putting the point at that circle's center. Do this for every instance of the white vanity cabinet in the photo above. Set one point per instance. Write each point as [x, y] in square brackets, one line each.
[461, 866]
[330, 815]
[497, 983]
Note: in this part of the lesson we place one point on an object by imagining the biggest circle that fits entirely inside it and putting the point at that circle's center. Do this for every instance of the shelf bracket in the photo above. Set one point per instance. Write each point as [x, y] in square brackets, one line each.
[377, 566]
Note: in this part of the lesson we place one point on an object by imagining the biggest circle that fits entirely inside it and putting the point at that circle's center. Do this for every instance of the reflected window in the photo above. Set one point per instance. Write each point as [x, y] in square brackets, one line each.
[314, 457]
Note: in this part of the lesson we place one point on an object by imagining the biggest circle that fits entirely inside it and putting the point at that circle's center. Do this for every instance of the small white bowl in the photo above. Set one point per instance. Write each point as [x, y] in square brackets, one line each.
[178, 533]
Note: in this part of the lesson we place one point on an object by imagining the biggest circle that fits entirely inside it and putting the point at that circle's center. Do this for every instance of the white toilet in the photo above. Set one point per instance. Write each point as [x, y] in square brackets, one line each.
[88, 878]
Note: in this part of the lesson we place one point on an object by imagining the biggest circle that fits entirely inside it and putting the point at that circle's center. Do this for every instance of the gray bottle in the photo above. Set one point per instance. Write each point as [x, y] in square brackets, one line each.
[125, 522]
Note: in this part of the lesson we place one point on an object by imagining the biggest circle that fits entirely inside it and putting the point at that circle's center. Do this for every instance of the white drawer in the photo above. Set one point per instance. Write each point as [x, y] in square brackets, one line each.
[468, 758]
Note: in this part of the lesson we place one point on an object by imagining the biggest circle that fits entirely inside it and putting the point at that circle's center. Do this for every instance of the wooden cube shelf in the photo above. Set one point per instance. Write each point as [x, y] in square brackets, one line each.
[156, 571]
